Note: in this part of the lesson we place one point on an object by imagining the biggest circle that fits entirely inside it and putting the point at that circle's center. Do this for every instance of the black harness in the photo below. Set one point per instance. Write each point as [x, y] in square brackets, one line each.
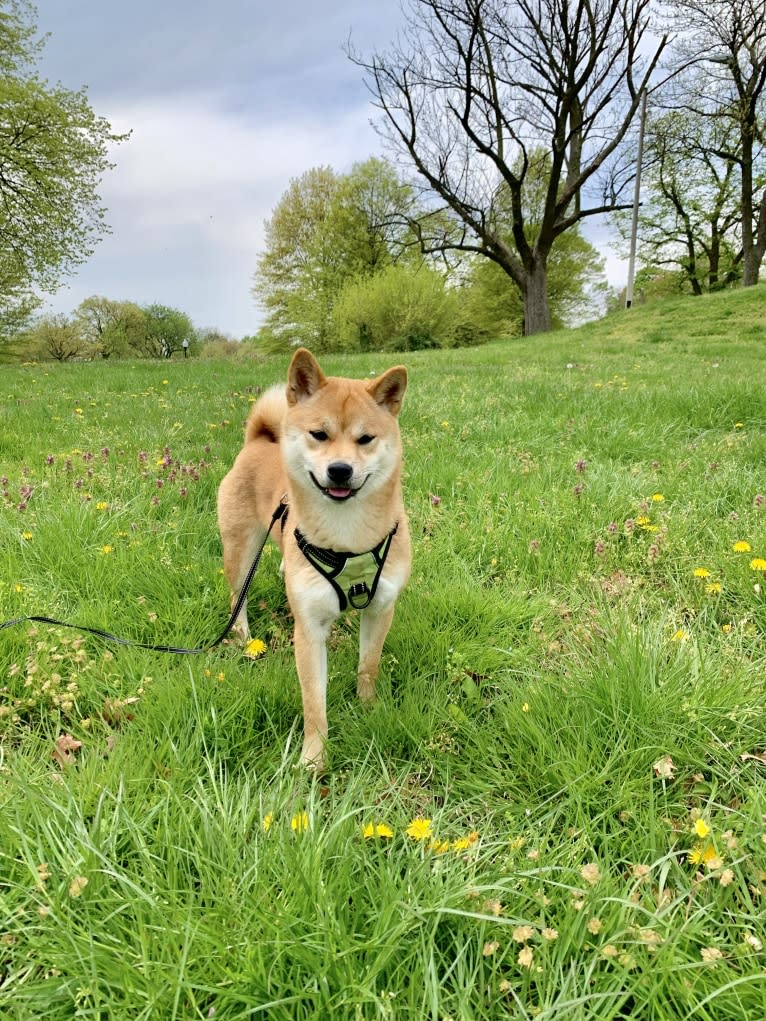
[354, 576]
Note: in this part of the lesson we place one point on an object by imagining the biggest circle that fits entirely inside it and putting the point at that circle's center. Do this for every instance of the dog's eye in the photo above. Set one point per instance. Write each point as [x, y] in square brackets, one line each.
[319, 435]
[364, 440]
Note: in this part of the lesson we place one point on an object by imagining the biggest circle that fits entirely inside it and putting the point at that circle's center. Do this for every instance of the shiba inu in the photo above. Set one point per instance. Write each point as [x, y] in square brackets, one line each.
[330, 447]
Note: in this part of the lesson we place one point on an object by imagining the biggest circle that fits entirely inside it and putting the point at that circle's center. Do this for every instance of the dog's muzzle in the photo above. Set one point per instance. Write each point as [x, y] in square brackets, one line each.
[339, 476]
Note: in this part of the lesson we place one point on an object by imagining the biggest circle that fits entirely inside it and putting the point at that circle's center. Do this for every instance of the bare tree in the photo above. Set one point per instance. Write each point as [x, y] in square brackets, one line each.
[728, 38]
[478, 86]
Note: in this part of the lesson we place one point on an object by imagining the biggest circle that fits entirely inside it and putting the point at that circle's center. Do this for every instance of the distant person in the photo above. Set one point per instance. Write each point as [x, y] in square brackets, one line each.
[185, 346]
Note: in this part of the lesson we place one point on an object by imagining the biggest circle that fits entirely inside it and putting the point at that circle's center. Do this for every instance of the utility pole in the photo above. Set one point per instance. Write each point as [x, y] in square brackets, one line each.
[636, 203]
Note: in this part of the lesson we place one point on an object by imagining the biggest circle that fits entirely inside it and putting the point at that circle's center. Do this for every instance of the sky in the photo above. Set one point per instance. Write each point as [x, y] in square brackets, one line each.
[226, 103]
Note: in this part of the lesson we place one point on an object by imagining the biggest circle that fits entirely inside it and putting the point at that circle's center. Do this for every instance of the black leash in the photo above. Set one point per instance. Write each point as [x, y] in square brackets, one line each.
[107, 636]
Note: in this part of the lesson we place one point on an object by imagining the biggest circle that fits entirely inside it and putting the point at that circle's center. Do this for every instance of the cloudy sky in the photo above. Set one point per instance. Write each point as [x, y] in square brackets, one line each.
[226, 102]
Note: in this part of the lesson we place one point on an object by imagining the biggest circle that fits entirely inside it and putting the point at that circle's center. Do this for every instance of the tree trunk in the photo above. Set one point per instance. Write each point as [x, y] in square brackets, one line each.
[751, 257]
[537, 313]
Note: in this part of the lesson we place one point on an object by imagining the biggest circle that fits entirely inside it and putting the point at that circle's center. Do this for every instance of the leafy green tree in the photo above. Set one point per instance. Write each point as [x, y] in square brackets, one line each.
[723, 42]
[112, 327]
[17, 301]
[53, 336]
[326, 230]
[298, 273]
[691, 213]
[53, 153]
[166, 330]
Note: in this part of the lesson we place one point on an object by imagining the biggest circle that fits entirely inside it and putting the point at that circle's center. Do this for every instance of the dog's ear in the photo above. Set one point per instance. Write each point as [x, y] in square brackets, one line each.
[304, 377]
[388, 390]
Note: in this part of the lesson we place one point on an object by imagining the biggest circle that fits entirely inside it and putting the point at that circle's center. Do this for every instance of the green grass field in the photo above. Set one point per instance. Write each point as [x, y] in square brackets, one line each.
[557, 807]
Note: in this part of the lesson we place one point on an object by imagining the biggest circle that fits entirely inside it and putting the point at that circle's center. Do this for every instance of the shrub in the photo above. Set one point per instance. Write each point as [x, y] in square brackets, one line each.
[399, 309]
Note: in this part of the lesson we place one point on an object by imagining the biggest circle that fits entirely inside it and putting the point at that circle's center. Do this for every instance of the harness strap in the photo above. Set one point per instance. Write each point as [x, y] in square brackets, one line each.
[331, 564]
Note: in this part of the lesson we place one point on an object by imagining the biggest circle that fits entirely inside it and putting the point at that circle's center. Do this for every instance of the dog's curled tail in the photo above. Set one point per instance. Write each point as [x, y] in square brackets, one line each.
[265, 420]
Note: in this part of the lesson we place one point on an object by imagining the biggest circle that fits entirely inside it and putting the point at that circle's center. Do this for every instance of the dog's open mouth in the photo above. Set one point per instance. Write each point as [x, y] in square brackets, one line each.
[339, 493]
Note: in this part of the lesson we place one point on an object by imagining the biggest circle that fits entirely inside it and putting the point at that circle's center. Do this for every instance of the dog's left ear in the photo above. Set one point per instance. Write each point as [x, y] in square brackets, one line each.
[304, 377]
[388, 390]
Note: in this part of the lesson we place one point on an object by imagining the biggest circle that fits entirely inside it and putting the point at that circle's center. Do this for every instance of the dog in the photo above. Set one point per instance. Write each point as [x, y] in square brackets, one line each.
[330, 448]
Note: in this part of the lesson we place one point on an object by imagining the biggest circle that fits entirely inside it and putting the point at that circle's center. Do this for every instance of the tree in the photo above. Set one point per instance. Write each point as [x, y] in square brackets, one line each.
[727, 38]
[112, 327]
[326, 230]
[691, 214]
[481, 84]
[55, 337]
[166, 330]
[53, 153]
[299, 272]
[574, 282]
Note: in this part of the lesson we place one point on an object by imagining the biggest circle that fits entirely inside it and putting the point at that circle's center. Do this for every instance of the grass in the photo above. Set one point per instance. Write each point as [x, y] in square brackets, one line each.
[574, 711]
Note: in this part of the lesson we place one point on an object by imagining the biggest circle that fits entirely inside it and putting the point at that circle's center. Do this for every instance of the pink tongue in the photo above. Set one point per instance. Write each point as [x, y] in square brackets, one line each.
[339, 494]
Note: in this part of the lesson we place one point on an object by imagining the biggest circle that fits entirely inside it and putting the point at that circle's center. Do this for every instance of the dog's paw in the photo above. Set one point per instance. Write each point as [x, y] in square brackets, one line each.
[312, 755]
[365, 688]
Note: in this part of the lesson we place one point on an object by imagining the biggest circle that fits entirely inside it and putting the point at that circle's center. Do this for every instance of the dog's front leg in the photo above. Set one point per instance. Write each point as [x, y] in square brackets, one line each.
[373, 629]
[311, 662]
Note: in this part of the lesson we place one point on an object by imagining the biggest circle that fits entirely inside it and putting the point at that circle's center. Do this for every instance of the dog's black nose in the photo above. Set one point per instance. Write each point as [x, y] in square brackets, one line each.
[339, 472]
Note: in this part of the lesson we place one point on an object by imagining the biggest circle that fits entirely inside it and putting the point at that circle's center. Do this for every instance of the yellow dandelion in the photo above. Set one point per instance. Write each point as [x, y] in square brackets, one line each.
[741, 546]
[419, 829]
[266, 822]
[18, 588]
[679, 636]
[642, 521]
[463, 843]
[758, 564]
[739, 425]
[657, 498]
[78, 411]
[106, 549]
[377, 830]
[102, 505]
[26, 535]
[439, 846]
[300, 822]
[255, 648]
[525, 707]
[713, 588]
[701, 572]
[701, 828]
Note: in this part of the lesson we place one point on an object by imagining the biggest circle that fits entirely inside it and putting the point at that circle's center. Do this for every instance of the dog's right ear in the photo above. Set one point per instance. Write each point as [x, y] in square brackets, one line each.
[304, 377]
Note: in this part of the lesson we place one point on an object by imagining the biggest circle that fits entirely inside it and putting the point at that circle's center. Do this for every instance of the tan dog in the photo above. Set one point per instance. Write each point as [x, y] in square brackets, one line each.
[331, 447]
